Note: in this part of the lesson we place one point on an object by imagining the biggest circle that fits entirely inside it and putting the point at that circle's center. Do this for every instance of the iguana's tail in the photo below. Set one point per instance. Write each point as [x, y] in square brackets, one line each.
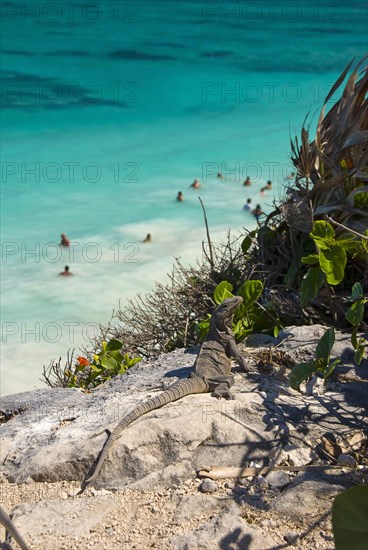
[179, 389]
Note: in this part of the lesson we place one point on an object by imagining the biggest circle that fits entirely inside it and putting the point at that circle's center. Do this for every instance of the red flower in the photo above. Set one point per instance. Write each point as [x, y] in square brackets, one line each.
[83, 361]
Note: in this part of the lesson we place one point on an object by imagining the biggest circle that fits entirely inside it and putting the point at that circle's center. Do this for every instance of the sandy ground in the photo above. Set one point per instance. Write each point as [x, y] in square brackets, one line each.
[147, 519]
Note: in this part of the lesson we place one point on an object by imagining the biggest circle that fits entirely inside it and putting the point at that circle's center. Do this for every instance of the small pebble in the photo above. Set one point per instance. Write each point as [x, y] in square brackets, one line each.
[262, 482]
[208, 486]
[292, 537]
[278, 479]
[253, 464]
[347, 460]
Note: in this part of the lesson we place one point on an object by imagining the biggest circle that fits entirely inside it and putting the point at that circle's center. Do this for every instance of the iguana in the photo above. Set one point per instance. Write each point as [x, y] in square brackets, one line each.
[211, 373]
[10, 527]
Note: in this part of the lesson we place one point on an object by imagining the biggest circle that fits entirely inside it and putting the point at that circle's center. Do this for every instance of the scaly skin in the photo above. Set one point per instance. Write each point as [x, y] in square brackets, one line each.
[211, 373]
[10, 527]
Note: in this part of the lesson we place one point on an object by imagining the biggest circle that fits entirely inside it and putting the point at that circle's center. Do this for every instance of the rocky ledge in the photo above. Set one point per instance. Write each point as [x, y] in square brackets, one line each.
[53, 436]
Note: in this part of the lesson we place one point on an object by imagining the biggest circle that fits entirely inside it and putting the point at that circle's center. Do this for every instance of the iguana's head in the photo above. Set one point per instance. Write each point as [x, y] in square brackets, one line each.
[225, 311]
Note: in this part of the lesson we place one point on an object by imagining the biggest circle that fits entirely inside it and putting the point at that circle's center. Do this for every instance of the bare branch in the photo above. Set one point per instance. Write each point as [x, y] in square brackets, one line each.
[208, 233]
[364, 237]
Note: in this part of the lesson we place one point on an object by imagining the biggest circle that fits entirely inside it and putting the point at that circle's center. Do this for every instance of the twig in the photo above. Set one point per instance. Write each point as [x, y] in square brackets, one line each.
[347, 228]
[186, 331]
[212, 263]
[223, 472]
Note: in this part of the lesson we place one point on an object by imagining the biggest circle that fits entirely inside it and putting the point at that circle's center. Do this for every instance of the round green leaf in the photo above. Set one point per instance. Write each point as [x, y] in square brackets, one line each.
[222, 291]
[312, 259]
[355, 312]
[109, 363]
[116, 355]
[301, 373]
[250, 291]
[325, 344]
[332, 263]
[114, 345]
[311, 283]
[248, 241]
[350, 519]
[356, 291]
[323, 234]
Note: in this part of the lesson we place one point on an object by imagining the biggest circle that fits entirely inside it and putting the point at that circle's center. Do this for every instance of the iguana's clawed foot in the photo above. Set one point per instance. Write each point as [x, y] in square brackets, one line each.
[220, 386]
[222, 394]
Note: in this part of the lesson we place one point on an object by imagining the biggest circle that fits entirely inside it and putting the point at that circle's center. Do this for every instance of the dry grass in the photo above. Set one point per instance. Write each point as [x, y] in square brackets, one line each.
[166, 318]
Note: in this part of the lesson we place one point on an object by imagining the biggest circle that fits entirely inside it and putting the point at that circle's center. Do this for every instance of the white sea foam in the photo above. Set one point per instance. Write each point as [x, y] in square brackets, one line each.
[47, 315]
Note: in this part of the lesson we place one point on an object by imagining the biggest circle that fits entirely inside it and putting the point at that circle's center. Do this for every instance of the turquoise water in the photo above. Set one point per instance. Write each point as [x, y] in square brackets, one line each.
[109, 109]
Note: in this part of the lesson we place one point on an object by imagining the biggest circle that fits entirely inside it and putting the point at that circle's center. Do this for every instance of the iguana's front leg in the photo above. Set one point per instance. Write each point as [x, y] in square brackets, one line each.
[233, 352]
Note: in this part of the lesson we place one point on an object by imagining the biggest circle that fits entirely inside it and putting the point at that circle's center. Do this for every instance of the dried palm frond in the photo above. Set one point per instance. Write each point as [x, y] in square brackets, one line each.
[342, 145]
[331, 184]
[298, 215]
[303, 156]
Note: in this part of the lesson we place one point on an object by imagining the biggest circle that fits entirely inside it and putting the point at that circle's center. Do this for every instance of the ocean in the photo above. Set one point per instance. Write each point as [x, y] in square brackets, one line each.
[109, 108]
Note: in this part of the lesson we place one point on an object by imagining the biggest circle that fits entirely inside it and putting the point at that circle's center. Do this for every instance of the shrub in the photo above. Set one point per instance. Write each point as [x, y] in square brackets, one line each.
[323, 219]
[87, 373]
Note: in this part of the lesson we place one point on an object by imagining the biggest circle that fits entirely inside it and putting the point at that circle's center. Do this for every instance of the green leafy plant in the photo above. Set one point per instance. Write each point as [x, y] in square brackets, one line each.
[248, 317]
[323, 216]
[330, 259]
[322, 363]
[355, 315]
[106, 364]
[350, 519]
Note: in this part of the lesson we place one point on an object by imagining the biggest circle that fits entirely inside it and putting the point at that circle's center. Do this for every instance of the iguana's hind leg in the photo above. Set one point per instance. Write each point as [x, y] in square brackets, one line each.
[222, 392]
[220, 386]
